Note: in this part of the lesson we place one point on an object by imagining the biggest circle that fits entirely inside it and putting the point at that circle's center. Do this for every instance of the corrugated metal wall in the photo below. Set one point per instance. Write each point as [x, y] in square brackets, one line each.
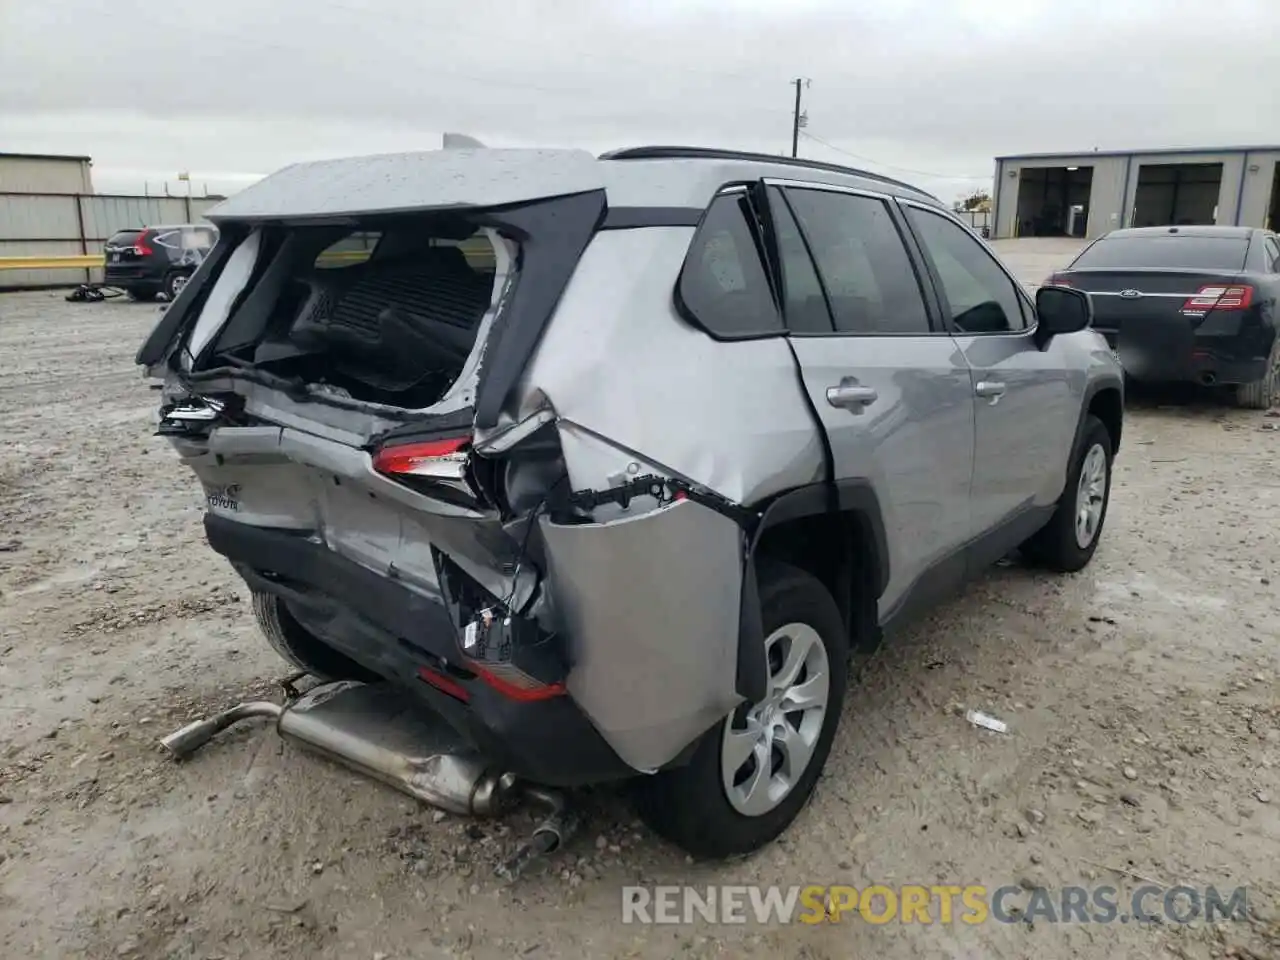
[27, 174]
[34, 225]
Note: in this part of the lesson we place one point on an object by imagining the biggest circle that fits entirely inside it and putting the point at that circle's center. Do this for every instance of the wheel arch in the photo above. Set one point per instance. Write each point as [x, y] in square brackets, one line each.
[1105, 400]
[843, 544]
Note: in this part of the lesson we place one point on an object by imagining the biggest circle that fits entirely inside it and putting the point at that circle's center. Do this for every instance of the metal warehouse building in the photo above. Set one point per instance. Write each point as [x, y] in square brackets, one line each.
[44, 173]
[1087, 194]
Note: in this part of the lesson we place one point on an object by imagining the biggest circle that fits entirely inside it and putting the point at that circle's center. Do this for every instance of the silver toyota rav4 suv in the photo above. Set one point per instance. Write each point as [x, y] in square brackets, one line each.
[615, 462]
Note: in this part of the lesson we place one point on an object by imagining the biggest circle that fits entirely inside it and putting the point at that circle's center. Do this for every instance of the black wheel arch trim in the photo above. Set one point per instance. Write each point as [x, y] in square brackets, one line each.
[854, 498]
[1091, 392]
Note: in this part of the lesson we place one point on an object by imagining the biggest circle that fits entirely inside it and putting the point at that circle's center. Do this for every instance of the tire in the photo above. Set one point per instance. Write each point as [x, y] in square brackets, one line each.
[141, 294]
[173, 284]
[1058, 546]
[1263, 394]
[690, 805]
[299, 647]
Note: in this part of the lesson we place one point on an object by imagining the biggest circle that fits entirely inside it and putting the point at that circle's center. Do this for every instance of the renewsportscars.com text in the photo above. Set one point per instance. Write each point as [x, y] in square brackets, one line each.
[920, 904]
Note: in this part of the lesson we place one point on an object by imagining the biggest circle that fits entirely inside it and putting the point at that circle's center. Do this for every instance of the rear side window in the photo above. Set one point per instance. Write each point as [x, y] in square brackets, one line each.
[864, 264]
[979, 294]
[723, 285]
[1175, 252]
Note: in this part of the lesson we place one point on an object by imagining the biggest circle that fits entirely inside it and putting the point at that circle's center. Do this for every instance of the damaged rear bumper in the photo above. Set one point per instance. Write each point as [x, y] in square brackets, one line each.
[655, 613]
[395, 631]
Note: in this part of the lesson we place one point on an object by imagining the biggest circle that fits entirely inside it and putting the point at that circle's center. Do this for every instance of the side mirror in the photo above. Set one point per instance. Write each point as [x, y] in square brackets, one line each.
[1062, 310]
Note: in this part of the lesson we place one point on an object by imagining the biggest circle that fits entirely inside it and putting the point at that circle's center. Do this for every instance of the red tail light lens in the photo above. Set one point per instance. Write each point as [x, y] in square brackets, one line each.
[445, 684]
[141, 247]
[514, 684]
[432, 458]
[1219, 297]
[1057, 281]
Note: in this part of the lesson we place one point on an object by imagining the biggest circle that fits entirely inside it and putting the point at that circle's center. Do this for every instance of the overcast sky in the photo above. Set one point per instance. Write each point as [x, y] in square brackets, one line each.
[927, 90]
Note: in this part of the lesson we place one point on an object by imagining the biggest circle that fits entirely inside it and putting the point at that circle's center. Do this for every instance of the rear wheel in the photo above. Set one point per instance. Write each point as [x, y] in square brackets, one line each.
[753, 772]
[1068, 541]
[141, 294]
[1264, 393]
[299, 646]
[173, 285]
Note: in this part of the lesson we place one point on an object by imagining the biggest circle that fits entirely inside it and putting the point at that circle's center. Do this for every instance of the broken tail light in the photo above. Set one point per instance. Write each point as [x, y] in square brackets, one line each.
[1219, 297]
[434, 468]
[433, 458]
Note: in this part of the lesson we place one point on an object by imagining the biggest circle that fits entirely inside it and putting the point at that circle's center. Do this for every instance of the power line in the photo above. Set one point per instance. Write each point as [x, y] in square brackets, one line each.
[889, 166]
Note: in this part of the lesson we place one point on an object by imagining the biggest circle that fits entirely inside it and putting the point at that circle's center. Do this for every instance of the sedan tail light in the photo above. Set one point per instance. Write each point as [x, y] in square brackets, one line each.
[1219, 297]
[1057, 281]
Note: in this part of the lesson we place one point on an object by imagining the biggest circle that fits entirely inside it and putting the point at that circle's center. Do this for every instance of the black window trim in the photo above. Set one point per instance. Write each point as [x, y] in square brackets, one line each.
[934, 313]
[770, 191]
[762, 244]
[1024, 299]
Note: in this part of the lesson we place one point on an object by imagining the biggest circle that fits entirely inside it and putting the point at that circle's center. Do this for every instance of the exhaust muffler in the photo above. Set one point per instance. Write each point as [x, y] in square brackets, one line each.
[370, 729]
[379, 731]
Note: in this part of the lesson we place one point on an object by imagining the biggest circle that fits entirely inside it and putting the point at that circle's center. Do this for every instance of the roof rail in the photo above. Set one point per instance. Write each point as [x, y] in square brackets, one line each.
[714, 153]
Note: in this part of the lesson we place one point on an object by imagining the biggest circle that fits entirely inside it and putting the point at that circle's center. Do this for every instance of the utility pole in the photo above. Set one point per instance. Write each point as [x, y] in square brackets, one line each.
[798, 119]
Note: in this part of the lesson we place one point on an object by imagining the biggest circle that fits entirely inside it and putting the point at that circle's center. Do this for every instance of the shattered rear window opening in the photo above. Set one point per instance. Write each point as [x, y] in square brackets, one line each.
[384, 313]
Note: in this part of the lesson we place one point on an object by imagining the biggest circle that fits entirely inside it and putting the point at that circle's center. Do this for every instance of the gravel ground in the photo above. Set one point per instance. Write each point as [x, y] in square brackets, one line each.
[1141, 696]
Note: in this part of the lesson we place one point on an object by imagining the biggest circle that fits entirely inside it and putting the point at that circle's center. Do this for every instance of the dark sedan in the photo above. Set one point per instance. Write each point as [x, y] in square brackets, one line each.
[1188, 303]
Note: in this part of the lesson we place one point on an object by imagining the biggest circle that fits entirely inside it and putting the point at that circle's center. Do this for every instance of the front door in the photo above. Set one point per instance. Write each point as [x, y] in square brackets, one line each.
[890, 386]
[1025, 408]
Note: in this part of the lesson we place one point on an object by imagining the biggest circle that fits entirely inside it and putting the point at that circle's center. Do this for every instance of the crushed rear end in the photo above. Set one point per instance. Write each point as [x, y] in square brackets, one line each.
[348, 377]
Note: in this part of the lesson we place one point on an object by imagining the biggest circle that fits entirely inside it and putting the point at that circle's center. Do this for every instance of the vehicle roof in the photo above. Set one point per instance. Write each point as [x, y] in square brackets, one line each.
[464, 178]
[1209, 232]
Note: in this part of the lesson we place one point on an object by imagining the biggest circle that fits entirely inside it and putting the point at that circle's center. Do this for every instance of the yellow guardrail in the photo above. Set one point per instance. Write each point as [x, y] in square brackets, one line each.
[79, 262]
[476, 253]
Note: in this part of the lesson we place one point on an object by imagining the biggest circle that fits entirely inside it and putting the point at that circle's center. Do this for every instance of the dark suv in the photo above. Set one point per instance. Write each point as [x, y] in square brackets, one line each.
[150, 260]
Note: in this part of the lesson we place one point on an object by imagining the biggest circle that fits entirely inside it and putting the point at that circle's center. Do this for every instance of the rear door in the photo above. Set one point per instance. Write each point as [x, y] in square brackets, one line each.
[1025, 405]
[889, 385]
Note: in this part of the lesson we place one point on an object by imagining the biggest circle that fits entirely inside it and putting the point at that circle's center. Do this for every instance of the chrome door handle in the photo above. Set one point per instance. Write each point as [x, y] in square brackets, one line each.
[990, 389]
[851, 395]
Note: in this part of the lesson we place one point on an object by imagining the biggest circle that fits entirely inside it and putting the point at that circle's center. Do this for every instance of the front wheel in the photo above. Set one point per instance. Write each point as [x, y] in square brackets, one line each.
[1068, 541]
[753, 772]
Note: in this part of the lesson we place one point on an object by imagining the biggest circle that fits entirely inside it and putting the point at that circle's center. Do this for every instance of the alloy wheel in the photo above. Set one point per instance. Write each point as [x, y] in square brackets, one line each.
[767, 747]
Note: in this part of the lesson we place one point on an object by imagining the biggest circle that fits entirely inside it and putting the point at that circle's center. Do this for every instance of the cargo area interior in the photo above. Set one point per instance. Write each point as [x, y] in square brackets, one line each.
[384, 312]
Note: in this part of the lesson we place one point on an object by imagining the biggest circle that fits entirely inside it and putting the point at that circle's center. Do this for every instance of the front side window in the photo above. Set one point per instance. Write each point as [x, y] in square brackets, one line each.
[863, 262]
[723, 285]
[980, 296]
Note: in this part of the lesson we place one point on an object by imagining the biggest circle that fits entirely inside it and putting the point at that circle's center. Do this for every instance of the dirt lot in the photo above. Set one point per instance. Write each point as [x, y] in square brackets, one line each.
[1141, 696]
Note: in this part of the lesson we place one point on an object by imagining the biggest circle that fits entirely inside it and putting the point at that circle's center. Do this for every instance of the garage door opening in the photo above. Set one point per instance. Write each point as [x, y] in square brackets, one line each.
[1054, 201]
[1177, 194]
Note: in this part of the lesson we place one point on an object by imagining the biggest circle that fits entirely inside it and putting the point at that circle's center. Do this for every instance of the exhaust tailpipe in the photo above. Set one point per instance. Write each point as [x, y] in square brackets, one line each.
[375, 730]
